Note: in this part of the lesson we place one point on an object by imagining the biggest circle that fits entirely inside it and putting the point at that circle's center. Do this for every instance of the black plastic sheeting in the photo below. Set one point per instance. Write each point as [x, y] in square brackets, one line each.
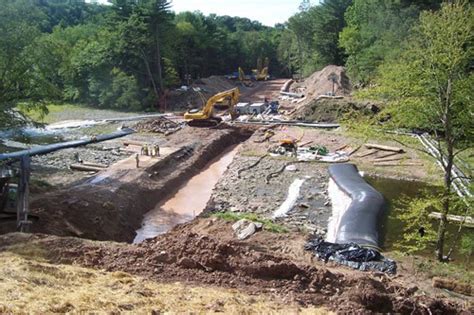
[361, 223]
[351, 255]
[357, 237]
[45, 149]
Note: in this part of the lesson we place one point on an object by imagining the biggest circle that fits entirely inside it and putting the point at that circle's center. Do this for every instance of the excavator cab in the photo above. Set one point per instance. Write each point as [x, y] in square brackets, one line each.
[205, 117]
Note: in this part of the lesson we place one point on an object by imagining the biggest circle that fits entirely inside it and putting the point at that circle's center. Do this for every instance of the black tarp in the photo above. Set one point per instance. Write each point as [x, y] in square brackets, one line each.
[351, 255]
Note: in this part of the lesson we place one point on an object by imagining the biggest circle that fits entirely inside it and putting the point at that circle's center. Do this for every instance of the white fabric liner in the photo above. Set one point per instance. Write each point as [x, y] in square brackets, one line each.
[340, 203]
[289, 203]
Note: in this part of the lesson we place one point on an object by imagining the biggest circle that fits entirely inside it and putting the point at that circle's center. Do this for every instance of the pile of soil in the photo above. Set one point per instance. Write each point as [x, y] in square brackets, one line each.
[207, 87]
[319, 83]
[189, 257]
[332, 110]
[157, 125]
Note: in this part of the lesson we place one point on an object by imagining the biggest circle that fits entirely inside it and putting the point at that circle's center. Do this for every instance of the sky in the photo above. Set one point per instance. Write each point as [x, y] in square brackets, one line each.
[268, 12]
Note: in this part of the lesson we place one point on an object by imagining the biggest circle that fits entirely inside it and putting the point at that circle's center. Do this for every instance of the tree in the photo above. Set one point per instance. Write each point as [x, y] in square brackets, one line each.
[375, 31]
[430, 87]
[23, 77]
[316, 30]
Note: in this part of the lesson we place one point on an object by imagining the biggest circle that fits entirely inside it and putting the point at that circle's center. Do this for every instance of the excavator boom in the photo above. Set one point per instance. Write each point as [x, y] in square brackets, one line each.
[204, 116]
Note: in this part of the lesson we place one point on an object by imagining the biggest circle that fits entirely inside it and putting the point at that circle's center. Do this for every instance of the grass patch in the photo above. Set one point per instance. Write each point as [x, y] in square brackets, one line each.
[67, 111]
[432, 268]
[268, 224]
[53, 109]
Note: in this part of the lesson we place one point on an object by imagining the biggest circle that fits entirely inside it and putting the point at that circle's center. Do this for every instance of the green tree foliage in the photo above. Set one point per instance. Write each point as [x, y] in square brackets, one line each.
[124, 55]
[430, 87]
[314, 33]
[375, 31]
[23, 75]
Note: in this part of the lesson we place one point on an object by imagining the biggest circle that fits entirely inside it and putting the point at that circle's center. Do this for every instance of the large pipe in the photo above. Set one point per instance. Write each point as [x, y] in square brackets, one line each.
[361, 221]
[295, 95]
[45, 149]
[289, 123]
[286, 85]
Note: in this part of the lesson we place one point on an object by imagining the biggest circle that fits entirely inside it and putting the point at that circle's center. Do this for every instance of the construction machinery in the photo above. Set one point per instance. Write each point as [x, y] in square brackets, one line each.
[204, 117]
[261, 73]
[243, 79]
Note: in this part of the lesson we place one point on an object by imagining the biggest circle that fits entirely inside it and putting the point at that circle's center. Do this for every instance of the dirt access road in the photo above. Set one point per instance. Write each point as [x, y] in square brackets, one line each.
[261, 89]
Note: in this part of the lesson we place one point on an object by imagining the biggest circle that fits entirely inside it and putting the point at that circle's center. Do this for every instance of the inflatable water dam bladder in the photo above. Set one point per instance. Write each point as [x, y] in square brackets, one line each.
[354, 229]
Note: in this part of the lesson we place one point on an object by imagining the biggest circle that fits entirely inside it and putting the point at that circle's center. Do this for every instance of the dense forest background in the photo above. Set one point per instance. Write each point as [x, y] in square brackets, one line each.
[126, 54]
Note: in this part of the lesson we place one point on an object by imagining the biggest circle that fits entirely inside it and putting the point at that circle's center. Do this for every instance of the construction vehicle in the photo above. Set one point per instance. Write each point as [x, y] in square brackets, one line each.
[205, 117]
[243, 79]
[261, 73]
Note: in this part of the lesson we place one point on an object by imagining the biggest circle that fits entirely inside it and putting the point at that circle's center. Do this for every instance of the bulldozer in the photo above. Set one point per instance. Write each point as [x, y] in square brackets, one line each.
[204, 117]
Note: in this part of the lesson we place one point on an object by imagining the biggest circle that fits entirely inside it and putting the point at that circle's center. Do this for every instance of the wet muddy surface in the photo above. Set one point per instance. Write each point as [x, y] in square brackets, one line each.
[189, 201]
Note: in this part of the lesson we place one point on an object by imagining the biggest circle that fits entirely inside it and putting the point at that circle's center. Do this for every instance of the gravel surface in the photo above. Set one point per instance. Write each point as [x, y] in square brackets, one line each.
[250, 192]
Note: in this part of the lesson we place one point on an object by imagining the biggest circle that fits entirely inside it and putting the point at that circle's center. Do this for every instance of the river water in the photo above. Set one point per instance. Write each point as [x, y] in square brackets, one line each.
[394, 191]
[189, 201]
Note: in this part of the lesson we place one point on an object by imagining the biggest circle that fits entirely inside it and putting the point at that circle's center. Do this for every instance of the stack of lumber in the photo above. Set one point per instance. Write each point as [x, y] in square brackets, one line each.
[387, 155]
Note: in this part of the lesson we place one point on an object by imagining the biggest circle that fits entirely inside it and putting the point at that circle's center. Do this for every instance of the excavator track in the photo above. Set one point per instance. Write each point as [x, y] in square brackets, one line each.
[205, 123]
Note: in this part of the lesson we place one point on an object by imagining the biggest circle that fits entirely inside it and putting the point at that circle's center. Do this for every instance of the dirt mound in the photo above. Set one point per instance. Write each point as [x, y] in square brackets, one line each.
[196, 95]
[214, 84]
[320, 83]
[192, 258]
[157, 125]
[331, 110]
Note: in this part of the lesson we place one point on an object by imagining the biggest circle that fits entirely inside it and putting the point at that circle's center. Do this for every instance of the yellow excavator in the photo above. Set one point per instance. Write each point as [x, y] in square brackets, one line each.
[204, 117]
[243, 78]
[261, 73]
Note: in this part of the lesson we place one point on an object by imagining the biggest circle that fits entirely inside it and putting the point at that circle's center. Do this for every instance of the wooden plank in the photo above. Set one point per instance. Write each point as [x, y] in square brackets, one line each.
[94, 164]
[305, 144]
[454, 218]
[341, 147]
[386, 155]
[383, 147]
[80, 167]
[400, 158]
[453, 285]
[355, 150]
[367, 153]
[397, 164]
[134, 142]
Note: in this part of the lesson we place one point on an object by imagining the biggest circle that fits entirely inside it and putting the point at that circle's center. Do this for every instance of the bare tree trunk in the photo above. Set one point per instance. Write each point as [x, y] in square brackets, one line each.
[159, 70]
[447, 173]
[150, 75]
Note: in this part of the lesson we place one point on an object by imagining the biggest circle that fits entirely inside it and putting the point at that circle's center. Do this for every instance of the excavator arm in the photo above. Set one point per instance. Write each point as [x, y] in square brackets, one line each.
[204, 116]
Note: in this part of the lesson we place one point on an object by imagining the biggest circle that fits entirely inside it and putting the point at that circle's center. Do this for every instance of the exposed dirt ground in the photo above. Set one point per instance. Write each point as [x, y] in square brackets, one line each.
[205, 259]
[204, 253]
[111, 207]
